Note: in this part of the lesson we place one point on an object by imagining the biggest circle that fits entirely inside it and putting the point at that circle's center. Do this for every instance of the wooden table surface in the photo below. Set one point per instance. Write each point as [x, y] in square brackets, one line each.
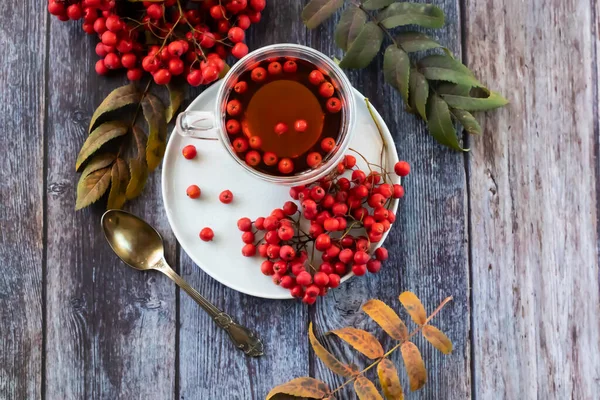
[509, 229]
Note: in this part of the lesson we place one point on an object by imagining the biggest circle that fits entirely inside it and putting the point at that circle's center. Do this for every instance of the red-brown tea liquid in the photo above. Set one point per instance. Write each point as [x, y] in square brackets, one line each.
[284, 97]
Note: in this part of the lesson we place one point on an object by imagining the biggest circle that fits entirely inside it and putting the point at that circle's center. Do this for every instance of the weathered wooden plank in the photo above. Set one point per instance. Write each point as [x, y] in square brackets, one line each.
[22, 108]
[428, 244]
[111, 330]
[209, 365]
[533, 181]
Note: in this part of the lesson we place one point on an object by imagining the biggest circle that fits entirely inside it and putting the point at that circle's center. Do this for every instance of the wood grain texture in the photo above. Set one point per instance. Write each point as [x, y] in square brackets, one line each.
[111, 330]
[428, 243]
[533, 180]
[210, 367]
[22, 108]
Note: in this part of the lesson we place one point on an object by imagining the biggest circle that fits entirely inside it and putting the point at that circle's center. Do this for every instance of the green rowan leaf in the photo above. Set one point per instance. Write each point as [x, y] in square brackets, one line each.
[443, 68]
[468, 103]
[154, 112]
[317, 11]
[419, 92]
[364, 48]
[400, 14]
[176, 93]
[396, 70]
[351, 23]
[376, 4]
[440, 124]
[412, 42]
[467, 120]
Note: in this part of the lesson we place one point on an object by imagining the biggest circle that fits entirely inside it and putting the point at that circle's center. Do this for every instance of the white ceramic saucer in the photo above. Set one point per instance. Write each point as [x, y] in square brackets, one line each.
[214, 171]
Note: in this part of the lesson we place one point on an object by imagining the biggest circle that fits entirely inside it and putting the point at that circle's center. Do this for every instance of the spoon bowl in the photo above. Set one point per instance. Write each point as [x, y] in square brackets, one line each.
[140, 246]
[137, 243]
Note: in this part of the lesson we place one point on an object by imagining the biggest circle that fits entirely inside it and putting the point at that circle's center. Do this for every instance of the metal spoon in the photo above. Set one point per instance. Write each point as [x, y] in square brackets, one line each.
[141, 247]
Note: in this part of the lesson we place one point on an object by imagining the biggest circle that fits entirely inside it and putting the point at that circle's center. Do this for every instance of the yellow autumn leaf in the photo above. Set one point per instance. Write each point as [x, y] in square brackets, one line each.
[415, 308]
[415, 368]
[387, 318]
[361, 340]
[437, 338]
[328, 359]
[365, 389]
[301, 387]
[388, 378]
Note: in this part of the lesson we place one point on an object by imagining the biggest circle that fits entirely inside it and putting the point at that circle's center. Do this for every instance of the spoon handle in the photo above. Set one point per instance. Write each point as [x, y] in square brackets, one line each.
[242, 337]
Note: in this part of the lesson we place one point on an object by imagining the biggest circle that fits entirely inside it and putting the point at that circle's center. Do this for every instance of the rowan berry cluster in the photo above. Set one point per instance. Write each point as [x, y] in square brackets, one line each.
[164, 38]
[349, 212]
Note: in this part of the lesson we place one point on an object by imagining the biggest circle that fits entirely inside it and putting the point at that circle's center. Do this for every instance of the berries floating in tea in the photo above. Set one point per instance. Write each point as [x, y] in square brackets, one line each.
[284, 116]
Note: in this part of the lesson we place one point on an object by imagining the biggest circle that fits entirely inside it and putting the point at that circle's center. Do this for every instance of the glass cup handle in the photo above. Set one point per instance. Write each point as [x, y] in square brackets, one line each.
[197, 124]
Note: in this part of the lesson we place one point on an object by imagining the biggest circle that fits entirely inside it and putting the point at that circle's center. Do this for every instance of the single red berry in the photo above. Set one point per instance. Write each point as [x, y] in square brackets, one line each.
[313, 291]
[258, 5]
[101, 68]
[310, 300]
[193, 191]
[217, 12]
[285, 166]
[176, 48]
[304, 278]
[274, 68]
[255, 142]
[240, 87]
[290, 67]
[326, 267]
[241, 145]
[391, 217]
[55, 8]
[377, 228]
[287, 282]
[297, 267]
[223, 26]
[267, 268]
[248, 237]
[290, 208]
[340, 209]
[243, 21]
[398, 191]
[233, 127]
[402, 168]
[135, 74]
[155, 11]
[328, 144]
[326, 90]
[321, 279]
[287, 252]
[280, 128]
[259, 223]
[346, 256]
[226, 197]
[295, 191]
[373, 266]
[239, 50]
[207, 234]
[333, 105]
[285, 233]
[271, 222]
[322, 216]
[273, 250]
[343, 184]
[176, 66]
[334, 280]
[340, 168]
[328, 201]
[340, 268]
[194, 77]
[244, 224]
[386, 225]
[323, 242]
[162, 76]
[315, 229]
[376, 200]
[317, 193]
[380, 214]
[259, 74]
[74, 12]
[270, 158]
[300, 125]
[234, 107]
[333, 252]
[359, 269]
[280, 267]
[314, 159]
[385, 190]
[349, 161]
[309, 204]
[375, 237]
[112, 61]
[128, 60]
[316, 77]
[360, 257]
[236, 34]
[331, 224]
[249, 250]
[207, 40]
[189, 152]
[381, 254]
[109, 38]
[297, 291]
[210, 74]
[253, 158]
